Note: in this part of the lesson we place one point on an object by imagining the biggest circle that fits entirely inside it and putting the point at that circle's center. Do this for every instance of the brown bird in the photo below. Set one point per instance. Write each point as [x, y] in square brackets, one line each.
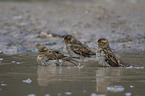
[46, 55]
[106, 55]
[73, 47]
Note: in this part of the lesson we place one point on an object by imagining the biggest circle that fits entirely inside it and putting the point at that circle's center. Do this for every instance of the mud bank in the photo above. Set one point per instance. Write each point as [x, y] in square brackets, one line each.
[26, 25]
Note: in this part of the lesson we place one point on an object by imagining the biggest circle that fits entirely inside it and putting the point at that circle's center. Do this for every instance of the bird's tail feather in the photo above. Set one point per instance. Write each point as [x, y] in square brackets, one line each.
[75, 57]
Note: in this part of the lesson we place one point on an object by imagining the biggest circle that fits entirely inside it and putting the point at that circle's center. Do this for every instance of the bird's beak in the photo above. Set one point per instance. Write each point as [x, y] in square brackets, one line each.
[97, 43]
[63, 41]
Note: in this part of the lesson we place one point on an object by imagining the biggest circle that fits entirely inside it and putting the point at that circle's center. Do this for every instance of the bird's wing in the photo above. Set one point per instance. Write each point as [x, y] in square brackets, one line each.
[110, 58]
[54, 54]
[54, 51]
[121, 61]
[51, 55]
[81, 50]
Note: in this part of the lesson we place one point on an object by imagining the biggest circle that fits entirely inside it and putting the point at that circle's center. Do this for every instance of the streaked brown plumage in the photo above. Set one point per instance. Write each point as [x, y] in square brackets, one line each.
[107, 55]
[46, 54]
[73, 46]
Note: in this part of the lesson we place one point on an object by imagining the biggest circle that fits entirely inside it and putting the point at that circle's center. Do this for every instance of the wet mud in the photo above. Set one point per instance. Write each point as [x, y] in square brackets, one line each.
[21, 75]
[26, 25]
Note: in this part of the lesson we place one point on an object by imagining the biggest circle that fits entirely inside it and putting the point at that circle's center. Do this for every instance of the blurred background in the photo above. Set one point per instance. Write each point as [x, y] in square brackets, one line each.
[27, 24]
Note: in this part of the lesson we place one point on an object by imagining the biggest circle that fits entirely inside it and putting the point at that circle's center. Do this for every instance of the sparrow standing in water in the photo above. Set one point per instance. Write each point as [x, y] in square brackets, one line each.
[73, 47]
[46, 55]
[106, 55]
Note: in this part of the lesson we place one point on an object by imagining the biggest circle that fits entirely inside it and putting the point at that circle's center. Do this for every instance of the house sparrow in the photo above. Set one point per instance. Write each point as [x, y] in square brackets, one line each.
[106, 55]
[73, 47]
[45, 55]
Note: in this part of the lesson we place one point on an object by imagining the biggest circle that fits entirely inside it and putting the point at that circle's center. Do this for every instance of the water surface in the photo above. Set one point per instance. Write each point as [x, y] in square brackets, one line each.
[20, 75]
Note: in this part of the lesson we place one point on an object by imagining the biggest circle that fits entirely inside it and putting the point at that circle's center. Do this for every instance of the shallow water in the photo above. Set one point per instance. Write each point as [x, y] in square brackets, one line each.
[20, 75]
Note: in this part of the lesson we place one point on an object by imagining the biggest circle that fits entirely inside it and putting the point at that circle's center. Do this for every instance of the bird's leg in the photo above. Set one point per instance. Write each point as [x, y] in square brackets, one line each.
[74, 60]
[79, 64]
[45, 62]
[73, 63]
[60, 62]
[57, 63]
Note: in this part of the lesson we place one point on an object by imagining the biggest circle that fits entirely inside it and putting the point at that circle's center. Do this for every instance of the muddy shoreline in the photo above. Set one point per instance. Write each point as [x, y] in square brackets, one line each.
[26, 25]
